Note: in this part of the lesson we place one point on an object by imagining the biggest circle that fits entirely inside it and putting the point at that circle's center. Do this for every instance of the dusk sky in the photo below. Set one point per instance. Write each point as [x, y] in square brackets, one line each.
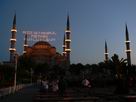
[92, 22]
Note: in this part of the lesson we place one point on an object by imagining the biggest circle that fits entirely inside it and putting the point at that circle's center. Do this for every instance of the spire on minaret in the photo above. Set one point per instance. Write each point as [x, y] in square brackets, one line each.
[128, 50]
[12, 48]
[106, 52]
[14, 21]
[127, 35]
[64, 46]
[68, 40]
[68, 23]
[25, 44]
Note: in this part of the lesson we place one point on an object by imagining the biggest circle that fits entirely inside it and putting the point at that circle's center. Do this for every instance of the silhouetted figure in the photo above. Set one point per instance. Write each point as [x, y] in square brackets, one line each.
[86, 83]
[55, 85]
[62, 86]
[45, 85]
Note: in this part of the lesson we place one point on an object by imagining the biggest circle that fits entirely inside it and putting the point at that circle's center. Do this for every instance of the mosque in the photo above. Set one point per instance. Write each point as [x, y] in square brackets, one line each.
[42, 51]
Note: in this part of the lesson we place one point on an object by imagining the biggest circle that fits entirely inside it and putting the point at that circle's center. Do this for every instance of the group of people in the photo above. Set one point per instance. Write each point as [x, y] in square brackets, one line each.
[59, 85]
[54, 86]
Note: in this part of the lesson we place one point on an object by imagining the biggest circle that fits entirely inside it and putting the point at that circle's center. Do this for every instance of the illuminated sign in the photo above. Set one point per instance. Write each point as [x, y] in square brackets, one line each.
[39, 36]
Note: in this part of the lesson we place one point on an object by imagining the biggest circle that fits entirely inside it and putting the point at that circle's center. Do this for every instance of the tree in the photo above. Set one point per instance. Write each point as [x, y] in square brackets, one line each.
[41, 69]
[121, 74]
[120, 66]
[24, 68]
[76, 69]
[7, 75]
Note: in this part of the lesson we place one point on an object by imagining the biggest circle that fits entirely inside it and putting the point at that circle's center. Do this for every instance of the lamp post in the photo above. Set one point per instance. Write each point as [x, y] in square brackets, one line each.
[15, 73]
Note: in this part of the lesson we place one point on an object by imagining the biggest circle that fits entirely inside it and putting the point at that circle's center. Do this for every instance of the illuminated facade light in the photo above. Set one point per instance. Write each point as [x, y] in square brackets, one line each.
[13, 30]
[127, 41]
[12, 39]
[67, 31]
[63, 45]
[67, 49]
[25, 45]
[24, 51]
[106, 53]
[128, 50]
[12, 49]
[64, 52]
[69, 40]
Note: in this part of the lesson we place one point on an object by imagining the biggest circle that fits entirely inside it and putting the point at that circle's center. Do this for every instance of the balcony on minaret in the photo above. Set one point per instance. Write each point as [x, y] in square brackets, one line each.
[12, 49]
[106, 53]
[63, 52]
[67, 31]
[25, 45]
[127, 41]
[24, 52]
[68, 50]
[128, 50]
[68, 40]
[13, 30]
[12, 39]
[63, 46]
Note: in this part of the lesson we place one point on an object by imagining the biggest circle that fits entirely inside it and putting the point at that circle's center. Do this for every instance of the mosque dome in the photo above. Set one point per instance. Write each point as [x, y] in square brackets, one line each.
[42, 45]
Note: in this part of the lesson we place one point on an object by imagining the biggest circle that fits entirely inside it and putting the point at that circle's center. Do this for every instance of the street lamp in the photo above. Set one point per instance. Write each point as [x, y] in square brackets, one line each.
[15, 73]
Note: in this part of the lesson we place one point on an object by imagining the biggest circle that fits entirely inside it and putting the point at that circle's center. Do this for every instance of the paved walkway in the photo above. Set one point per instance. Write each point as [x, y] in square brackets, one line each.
[24, 95]
[32, 92]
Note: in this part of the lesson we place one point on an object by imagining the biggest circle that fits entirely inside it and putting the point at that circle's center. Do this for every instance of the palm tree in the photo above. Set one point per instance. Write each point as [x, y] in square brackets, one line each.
[119, 65]
[121, 74]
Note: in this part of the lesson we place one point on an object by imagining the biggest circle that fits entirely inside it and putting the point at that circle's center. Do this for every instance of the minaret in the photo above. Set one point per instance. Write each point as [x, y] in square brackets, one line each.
[68, 40]
[64, 46]
[12, 48]
[106, 52]
[25, 44]
[128, 50]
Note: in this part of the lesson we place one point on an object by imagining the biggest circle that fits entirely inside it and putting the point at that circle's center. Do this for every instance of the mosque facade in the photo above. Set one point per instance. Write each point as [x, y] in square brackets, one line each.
[42, 51]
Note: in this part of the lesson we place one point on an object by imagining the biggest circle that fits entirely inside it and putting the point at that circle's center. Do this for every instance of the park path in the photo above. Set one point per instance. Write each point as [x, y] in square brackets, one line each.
[23, 95]
[31, 93]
